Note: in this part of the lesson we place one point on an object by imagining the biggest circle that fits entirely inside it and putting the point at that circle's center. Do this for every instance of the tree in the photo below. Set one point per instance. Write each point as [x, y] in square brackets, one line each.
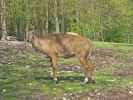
[57, 24]
[108, 20]
[3, 19]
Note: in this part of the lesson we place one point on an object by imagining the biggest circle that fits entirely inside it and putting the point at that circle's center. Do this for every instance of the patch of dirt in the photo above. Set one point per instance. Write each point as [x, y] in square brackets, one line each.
[116, 94]
[12, 45]
[11, 51]
[36, 95]
[105, 57]
[130, 60]
[124, 72]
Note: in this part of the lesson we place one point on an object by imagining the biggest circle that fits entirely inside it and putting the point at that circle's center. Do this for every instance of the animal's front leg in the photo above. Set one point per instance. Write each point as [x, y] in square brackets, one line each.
[55, 68]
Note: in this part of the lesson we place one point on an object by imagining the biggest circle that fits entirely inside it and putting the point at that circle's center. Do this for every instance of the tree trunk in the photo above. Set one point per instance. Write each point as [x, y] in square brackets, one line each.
[47, 17]
[78, 12]
[57, 26]
[62, 15]
[101, 20]
[3, 20]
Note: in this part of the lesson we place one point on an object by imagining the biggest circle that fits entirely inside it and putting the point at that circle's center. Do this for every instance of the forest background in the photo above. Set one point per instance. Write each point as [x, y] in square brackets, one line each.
[100, 20]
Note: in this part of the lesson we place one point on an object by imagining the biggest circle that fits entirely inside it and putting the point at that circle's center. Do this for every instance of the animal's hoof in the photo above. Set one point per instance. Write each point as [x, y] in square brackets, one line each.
[92, 81]
[56, 81]
[89, 80]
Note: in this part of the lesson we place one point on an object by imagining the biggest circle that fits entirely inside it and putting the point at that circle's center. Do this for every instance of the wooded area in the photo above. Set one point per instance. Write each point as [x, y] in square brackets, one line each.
[102, 20]
[34, 50]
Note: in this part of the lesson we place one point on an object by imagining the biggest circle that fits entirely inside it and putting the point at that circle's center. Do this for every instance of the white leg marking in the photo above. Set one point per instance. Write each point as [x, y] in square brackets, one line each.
[55, 79]
[86, 80]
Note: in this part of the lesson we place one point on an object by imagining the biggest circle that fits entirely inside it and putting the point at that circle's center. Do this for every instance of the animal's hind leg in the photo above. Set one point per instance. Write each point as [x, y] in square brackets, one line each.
[55, 68]
[88, 69]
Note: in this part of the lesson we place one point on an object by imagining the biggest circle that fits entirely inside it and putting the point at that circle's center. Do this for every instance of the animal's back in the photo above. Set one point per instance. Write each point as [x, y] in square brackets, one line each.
[68, 44]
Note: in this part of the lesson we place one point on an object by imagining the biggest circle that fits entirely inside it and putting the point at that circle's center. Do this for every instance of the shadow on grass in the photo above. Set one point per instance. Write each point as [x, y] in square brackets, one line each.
[61, 78]
[70, 79]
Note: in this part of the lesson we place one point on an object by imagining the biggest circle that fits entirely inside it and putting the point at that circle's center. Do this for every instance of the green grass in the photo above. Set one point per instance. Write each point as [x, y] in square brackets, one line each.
[121, 47]
[28, 75]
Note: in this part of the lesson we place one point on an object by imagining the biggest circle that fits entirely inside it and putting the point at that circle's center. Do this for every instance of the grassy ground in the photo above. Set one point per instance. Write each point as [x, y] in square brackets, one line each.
[28, 76]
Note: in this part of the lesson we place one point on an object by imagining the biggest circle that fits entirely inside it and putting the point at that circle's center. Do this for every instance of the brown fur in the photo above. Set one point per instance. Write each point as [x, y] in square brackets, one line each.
[64, 45]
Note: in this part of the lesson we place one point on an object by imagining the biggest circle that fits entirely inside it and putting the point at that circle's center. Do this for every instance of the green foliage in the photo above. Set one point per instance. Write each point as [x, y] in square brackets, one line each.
[113, 18]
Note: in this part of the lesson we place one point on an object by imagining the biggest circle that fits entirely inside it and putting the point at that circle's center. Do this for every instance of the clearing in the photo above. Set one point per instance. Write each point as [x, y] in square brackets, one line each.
[25, 75]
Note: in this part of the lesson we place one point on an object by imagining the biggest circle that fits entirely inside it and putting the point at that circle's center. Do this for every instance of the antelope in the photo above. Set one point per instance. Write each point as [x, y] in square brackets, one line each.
[56, 45]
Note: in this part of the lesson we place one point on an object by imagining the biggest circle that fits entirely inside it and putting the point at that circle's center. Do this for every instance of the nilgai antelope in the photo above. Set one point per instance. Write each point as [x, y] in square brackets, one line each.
[69, 44]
